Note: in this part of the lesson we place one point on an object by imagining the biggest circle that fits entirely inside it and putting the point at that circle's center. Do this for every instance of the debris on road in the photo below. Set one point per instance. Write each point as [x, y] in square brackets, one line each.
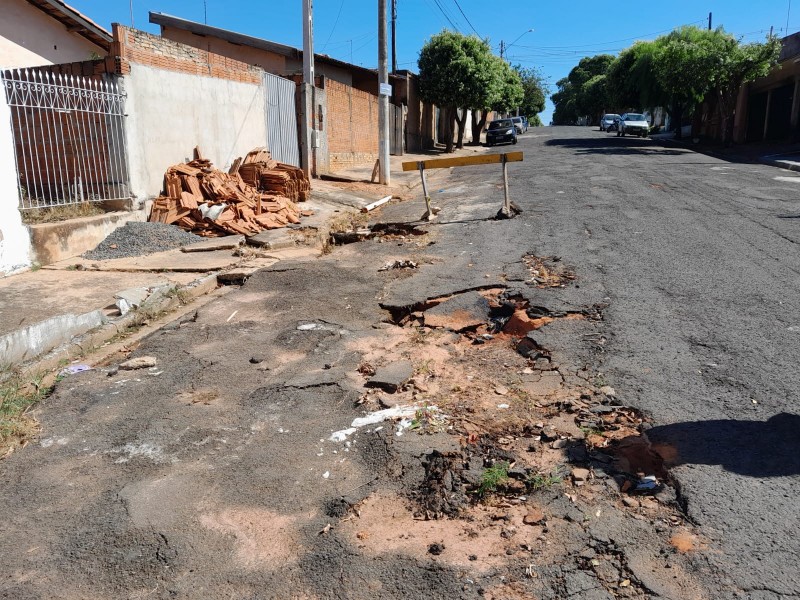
[398, 264]
[257, 193]
[392, 377]
[140, 362]
[74, 370]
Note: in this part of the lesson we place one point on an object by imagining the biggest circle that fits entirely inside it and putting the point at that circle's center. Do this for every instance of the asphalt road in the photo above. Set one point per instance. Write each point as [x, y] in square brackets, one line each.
[212, 477]
[699, 259]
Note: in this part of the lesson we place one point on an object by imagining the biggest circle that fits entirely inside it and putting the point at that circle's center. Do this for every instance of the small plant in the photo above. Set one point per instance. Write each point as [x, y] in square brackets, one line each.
[426, 419]
[540, 481]
[492, 478]
[587, 431]
[424, 368]
[600, 381]
[17, 394]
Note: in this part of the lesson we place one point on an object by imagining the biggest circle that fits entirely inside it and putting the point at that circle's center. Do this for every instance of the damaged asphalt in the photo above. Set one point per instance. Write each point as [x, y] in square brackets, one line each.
[217, 474]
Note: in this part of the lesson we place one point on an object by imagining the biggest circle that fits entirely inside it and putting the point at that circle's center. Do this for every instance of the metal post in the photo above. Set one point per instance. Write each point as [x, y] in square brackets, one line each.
[506, 201]
[394, 36]
[307, 95]
[421, 166]
[383, 99]
[430, 211]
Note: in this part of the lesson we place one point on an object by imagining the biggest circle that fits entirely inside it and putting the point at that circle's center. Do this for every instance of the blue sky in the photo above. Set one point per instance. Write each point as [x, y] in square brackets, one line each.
[563, 33]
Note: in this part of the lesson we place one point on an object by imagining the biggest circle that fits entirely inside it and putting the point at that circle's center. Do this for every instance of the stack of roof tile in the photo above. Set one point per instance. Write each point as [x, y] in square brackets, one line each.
[257, 193]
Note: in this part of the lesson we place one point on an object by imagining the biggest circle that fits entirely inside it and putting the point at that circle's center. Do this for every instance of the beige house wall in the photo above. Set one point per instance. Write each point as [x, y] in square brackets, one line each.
[30, 38]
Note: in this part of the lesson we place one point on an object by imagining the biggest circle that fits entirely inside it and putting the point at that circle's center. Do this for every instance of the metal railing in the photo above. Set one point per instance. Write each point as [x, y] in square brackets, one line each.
[69, 138]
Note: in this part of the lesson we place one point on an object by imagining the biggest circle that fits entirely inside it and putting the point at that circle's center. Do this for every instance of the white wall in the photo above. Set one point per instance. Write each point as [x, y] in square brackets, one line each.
[15, 242]
[170, 113]
[29, 38]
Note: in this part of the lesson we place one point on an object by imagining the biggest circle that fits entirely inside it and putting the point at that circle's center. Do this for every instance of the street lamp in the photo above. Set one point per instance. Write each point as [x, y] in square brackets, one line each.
[503, 47]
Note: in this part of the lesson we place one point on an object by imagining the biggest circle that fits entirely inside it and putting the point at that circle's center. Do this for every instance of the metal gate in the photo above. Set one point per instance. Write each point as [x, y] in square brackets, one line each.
[282, 139]
[396, 130]
[69, 138]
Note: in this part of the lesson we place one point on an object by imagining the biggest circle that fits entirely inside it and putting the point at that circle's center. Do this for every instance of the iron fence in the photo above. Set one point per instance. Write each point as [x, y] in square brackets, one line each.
[69, 138]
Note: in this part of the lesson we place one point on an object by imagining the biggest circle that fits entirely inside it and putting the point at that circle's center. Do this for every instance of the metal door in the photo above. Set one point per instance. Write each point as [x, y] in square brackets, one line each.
[281, 109]
[69, 138]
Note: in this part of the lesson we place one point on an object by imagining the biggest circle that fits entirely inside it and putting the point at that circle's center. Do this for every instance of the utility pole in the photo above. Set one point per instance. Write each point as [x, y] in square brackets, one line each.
[502, 48]
[709, 21]
[307, 95]
[383, 96]
[394, 36]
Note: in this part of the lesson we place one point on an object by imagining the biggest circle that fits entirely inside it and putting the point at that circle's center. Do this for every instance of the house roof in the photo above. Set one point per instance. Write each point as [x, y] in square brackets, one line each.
[241, 39]
[75, 22]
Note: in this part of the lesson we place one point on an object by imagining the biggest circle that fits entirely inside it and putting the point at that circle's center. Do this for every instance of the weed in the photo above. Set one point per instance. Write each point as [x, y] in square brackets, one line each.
[424, 367]
[540, 481]
[492, 478]
[600, 381]
[418, 336]
[425, 419]
[180, 293]
[587, 431]
[54, 214]
[17, 394]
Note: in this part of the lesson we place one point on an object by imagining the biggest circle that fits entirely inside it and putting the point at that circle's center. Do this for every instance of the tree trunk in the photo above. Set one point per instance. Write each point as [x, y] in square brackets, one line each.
[448, 130]
[677, 116]
[461, 122]
[478, 125]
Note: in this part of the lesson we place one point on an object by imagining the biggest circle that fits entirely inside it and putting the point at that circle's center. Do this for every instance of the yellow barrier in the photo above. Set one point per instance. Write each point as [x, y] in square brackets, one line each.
[507, 211]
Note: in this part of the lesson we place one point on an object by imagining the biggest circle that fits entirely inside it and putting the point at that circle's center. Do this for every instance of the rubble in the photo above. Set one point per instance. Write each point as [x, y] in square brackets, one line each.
[257, 193]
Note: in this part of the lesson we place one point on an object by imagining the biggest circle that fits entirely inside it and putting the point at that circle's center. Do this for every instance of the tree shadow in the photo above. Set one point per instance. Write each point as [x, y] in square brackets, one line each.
[753, 448]
[610, 144]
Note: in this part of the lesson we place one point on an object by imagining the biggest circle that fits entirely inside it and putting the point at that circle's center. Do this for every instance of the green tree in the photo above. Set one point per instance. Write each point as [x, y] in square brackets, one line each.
[459, 72]
[631, 82]
[504, 94]
[534, 89]
[735, 64]
[573, 99]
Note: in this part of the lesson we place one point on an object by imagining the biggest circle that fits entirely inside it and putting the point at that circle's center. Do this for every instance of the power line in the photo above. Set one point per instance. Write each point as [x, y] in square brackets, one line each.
[446, 16]
[466, 18]
[335, 23]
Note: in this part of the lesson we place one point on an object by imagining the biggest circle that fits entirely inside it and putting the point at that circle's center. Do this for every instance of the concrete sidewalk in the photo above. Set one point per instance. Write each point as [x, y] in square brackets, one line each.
[62, 310]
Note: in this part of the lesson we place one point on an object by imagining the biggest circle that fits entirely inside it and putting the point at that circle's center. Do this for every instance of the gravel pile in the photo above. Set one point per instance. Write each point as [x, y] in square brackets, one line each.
[138, 239]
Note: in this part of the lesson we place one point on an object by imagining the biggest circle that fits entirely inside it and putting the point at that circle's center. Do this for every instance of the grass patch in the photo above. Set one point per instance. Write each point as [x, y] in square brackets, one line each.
[540, 481]
[55, 214]
[492, 478]
[18, 394]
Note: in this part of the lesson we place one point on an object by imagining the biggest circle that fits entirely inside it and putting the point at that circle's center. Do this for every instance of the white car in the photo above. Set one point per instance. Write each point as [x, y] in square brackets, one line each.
[607, 120]
[633, 124]
[519, 123]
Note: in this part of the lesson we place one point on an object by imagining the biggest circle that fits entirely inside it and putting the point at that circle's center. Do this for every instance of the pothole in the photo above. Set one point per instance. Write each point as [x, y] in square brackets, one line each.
[548, 271]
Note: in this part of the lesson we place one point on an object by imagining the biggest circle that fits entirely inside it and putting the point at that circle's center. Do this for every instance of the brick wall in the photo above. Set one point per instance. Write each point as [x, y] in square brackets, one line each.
[154, 51]
[352, 125]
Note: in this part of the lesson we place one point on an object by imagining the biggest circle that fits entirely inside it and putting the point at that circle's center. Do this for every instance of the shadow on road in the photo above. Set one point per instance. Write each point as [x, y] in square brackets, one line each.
[754, 448]
[613, 145]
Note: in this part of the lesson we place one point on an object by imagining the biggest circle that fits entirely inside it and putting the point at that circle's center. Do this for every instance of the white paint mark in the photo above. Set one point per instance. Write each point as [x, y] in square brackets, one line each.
[789, 179]
[233, 314]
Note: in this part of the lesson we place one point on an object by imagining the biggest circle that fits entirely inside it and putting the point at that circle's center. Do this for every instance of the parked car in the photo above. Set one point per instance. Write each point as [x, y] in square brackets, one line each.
[501, 131]
[634, 124]
[608, 120]
[525, 120]
[519, 123]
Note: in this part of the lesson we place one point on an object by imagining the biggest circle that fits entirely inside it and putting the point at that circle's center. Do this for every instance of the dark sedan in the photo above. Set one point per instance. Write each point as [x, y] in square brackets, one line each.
[501, 131]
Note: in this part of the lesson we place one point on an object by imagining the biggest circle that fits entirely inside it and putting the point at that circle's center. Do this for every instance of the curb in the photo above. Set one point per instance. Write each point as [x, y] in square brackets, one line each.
[82, 344]
[782, 164]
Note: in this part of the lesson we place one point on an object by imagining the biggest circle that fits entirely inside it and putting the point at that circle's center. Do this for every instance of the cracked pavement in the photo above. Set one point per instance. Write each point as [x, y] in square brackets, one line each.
[215, 476]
